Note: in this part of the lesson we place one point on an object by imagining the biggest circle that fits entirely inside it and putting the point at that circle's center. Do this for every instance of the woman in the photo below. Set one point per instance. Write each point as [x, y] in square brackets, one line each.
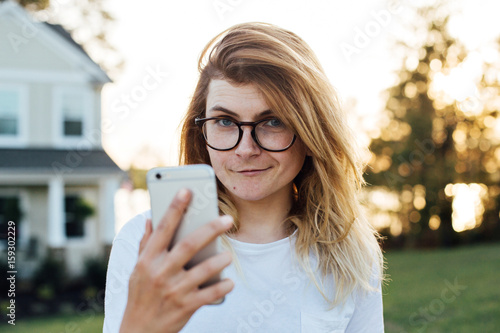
[304, 259]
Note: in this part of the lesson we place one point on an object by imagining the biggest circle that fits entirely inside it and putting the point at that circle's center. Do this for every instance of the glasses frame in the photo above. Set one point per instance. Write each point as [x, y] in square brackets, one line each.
[200, 121]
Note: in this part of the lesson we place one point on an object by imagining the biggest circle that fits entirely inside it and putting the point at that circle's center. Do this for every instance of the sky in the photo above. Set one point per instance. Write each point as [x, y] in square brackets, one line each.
[162, 40]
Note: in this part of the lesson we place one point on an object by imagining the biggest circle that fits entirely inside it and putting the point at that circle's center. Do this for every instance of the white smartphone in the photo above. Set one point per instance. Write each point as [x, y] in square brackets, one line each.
[163, 185]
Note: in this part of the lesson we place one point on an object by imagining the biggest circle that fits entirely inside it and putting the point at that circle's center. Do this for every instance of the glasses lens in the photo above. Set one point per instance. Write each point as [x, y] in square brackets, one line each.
[221, 133]
[272, 134]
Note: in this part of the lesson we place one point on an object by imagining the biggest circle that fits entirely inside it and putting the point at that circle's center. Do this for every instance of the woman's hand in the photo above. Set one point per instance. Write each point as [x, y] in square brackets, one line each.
[162, 294]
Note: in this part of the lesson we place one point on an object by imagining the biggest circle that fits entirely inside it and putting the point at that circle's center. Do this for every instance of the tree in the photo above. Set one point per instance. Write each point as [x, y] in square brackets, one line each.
[434, 136]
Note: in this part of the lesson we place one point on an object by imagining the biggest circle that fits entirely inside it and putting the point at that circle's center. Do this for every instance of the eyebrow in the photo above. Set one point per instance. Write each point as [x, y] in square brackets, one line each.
[234, 114]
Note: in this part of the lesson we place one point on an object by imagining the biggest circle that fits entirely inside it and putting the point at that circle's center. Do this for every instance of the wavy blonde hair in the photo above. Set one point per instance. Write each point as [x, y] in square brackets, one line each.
[326, 211]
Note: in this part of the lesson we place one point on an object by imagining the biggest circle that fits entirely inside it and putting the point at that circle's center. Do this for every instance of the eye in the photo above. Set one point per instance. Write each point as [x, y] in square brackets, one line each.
[275, 123]
[224, 122]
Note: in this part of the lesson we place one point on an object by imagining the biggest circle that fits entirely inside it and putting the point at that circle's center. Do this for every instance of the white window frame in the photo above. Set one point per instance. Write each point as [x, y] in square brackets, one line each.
[21, 138]
[59, 139]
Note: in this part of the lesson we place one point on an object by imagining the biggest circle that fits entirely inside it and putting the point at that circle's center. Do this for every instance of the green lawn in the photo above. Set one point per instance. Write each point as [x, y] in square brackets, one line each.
[58, 324]
[453, 290]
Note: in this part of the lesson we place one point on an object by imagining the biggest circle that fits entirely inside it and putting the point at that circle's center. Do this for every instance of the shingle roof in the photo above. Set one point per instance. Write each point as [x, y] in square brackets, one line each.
[40, 159]
[59, 29]
[66, 35]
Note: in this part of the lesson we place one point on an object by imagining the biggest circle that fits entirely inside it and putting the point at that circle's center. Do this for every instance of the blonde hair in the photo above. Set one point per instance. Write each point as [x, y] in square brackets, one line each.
[326, 210]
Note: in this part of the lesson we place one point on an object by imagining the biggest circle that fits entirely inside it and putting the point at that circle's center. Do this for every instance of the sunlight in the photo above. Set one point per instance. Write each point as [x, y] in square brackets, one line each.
[459, 84]
[468, 207]
[383, 206]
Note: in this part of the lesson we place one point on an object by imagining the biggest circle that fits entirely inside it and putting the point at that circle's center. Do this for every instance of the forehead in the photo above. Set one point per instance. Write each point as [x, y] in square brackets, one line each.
[244, 100]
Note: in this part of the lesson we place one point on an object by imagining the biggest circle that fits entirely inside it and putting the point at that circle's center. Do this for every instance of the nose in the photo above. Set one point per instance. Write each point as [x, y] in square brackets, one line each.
[247, 146]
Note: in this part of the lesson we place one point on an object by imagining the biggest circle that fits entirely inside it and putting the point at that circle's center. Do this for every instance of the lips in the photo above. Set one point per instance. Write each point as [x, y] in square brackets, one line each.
[252, 171]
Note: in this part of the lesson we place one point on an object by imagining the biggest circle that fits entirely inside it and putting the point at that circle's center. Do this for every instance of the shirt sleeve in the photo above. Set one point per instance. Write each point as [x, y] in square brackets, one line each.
[122, 260]
[368, 313]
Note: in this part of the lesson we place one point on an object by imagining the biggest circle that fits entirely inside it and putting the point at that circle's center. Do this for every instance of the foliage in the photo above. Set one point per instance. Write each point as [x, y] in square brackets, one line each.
[4, 283]
[83, 209]
[138, 177]
[36, 4]
[431, 137]
[49, 278]
[13, 210]
[95, 272]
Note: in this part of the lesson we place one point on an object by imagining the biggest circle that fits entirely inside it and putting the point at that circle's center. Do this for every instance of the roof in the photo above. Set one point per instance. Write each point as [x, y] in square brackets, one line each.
[55, 37]
[59, 29]
[49, 159]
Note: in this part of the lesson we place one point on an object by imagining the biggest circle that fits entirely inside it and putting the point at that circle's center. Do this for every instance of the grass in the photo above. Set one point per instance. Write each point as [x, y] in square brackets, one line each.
[58, 324]
[452, 290]
[443, 290]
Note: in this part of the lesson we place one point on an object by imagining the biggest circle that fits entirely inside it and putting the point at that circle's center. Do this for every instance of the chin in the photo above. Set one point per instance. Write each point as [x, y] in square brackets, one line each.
[248, 195]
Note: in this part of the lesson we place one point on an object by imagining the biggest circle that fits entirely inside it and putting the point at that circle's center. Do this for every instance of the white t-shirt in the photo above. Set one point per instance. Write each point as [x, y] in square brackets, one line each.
[273, 295]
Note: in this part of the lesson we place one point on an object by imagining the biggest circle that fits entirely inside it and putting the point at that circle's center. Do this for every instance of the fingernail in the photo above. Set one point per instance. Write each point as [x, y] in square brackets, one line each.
[226, 220]
[183, 194]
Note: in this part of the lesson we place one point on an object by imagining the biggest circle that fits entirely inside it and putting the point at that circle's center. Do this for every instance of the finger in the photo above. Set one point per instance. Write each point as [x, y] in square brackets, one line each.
[198, 239]
[213, 293]
[164, 232]
[145, 237]
[209, 268]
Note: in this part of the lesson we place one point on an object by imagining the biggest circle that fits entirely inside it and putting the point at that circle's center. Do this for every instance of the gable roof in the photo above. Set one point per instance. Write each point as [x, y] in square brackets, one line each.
[55, 36]
[59, 29]
[36, 159]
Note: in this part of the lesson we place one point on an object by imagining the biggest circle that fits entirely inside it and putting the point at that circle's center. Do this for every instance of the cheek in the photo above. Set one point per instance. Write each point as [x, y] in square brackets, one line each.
[217, 161]
[296, 156]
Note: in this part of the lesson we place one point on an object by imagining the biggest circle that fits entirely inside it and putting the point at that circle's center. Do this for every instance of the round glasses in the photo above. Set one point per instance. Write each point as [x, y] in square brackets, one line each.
[222, 133]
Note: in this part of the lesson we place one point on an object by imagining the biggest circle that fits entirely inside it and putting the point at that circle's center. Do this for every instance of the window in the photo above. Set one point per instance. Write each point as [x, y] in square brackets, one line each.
[9, 211]
[14, 102]
[73, 113]
[76, 212]
[9, 112]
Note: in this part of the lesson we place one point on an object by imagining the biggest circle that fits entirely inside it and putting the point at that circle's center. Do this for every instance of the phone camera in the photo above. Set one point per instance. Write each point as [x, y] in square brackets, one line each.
[158, 176]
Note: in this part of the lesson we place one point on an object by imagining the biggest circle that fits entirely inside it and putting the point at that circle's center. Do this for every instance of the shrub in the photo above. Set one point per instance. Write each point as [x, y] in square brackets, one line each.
[95, 272]
[49, 278]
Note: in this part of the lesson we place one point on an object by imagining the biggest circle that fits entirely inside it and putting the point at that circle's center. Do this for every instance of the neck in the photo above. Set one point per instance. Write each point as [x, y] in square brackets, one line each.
[263, 221]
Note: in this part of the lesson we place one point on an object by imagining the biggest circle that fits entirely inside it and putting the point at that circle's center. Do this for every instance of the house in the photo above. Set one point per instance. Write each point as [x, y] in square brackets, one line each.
[57, 184]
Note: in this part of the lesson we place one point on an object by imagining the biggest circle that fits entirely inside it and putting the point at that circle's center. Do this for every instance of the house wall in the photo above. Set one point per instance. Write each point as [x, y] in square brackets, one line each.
[23, 49]
[39, 62]
[78, 250]
[27, 58]
[96, 117]
[35, 214]
[40, 125]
